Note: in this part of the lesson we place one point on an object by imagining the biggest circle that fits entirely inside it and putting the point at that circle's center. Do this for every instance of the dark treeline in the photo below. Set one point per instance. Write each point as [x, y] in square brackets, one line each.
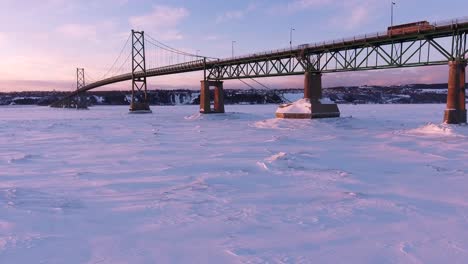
[416, 93]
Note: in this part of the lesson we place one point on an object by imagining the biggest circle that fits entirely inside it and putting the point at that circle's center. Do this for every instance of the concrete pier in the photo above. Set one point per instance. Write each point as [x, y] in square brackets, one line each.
[313, 86]
[313, 92]
[140, 108]
[456, 102]
[205, 99]
[312, 106]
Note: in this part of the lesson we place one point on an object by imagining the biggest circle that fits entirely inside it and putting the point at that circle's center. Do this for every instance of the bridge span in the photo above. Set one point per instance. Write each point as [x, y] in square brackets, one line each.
[411, 45]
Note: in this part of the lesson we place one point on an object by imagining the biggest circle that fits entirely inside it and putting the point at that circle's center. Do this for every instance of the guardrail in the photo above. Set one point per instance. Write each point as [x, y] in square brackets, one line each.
[175, 67]
[128, 76]
[439, 24]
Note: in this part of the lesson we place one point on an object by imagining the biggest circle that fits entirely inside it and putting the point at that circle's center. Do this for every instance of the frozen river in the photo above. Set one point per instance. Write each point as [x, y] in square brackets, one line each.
[382, 184]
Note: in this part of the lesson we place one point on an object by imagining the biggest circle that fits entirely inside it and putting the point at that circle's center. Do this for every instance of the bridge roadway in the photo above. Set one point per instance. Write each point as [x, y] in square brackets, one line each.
[437, 44]
[303, 57]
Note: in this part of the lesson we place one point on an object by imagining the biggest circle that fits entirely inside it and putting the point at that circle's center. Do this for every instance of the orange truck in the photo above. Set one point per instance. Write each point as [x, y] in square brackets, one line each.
[410, 28]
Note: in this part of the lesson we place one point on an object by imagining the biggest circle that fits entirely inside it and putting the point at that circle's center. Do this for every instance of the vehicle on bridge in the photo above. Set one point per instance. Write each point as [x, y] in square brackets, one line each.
[410, 28]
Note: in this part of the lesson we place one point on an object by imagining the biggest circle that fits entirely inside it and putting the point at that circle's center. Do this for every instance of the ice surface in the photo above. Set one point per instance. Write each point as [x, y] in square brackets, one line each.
[382, 184]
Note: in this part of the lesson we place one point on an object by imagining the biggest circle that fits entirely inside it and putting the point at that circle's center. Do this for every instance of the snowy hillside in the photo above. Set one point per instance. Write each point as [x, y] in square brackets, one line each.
[382, 184]
[342, 95]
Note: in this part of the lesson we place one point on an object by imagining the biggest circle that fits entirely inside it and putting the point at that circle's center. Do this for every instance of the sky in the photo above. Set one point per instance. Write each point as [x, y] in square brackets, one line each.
[43, 42]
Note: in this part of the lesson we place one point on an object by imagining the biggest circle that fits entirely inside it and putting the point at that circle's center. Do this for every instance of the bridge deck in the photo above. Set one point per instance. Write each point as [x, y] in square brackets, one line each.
[440, 29]
[215, 67]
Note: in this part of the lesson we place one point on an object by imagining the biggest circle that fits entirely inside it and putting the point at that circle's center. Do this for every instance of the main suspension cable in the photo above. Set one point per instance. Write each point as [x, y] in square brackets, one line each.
[118, 58]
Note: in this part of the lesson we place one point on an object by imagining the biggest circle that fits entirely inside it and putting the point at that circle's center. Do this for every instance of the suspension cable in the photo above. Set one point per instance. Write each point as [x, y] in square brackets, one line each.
[266, 87]
[118, 58]
[266, 94]
[171, 54]
[171, 49]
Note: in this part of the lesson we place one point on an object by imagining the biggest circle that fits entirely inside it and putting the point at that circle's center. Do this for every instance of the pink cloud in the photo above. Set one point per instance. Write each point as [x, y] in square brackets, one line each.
[78, 31]
[236, 14]
[299, 5]
[162, 20]
[3, 38]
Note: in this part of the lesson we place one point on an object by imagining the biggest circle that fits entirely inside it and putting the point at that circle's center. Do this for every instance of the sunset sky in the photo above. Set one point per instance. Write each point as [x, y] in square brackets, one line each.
[42, 42]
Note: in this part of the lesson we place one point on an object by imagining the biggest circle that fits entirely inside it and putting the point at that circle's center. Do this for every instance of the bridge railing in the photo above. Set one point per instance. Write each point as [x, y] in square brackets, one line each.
[451, 22]
[179, 66]
[363, 37]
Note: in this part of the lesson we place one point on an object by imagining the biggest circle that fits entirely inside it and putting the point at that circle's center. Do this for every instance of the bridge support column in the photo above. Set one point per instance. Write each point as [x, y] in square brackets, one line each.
[313, 86]
[205, 98]
[313, 91]
[456, 102]
[312, 106]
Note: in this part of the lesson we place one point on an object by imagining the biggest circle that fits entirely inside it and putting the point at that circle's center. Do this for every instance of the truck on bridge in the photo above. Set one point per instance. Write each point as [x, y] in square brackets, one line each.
[410, 28]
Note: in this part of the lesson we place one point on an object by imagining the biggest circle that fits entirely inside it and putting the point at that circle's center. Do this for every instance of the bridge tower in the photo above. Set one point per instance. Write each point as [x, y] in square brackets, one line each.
[139, 102]
[80, 100]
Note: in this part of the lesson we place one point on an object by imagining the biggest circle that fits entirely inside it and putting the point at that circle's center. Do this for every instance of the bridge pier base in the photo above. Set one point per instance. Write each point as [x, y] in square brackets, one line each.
[456, 99]
[312, 106]
[140, 108]
[205, 98]
[81, 102]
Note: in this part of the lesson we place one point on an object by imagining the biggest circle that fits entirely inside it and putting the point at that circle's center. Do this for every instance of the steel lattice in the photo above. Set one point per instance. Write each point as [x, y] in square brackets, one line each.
[139, 88]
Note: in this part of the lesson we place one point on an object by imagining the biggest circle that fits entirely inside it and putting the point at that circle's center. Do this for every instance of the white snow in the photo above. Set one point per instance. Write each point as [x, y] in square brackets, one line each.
[382, 184]
[24, 97]
[100, 99]
[437, 91]
[301, 106]
[434, 130]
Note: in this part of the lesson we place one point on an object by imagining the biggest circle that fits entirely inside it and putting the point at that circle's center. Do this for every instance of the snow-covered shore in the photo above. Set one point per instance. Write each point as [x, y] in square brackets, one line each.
[381, 184]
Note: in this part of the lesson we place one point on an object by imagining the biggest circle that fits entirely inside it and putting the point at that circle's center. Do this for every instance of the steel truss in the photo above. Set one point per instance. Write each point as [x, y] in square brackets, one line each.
[80, 78]
[447, 41]
[80, 100]
[139, 88]
[392, 52]
[77, 100]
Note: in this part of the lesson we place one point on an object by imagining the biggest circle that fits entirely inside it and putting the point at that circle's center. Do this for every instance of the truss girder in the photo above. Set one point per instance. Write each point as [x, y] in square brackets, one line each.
[433, 47]
[398, 53]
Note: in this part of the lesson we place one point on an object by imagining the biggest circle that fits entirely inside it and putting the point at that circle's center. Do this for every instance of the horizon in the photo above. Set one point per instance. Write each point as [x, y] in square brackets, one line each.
[249, 131]
[67, 39]
[153, 89]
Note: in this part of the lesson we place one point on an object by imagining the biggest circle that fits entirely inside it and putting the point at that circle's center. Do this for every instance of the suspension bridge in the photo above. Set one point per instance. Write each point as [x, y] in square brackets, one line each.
[411, 45]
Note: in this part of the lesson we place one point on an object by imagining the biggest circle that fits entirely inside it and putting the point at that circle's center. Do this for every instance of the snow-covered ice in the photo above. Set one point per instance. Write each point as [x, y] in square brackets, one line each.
[301, 106]
[382, 184]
